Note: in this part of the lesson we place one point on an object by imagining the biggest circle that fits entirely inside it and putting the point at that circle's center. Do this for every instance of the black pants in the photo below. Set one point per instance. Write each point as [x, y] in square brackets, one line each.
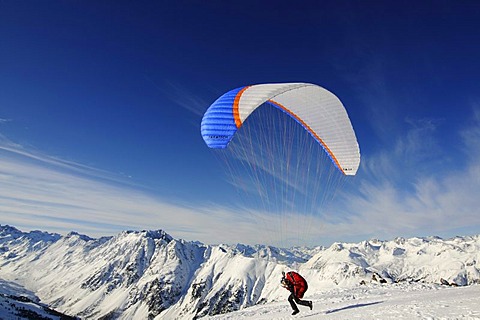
[292, 299]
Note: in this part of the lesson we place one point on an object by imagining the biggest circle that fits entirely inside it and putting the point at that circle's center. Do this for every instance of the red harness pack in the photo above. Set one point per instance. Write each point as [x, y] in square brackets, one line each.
[299, 283]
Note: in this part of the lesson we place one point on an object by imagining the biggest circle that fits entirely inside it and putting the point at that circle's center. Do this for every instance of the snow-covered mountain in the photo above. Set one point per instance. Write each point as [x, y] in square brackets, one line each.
[148, 274]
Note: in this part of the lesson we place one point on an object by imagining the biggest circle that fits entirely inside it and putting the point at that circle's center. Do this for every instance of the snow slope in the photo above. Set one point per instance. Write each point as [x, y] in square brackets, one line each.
[148, 274]
[393, 301]
[18, 303]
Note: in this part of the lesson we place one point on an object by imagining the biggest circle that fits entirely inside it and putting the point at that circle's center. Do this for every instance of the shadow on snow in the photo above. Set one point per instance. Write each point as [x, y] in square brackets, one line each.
[353, 306]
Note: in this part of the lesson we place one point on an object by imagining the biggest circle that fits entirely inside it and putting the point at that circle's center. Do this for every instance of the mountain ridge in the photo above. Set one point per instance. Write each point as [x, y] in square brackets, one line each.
[149, 274]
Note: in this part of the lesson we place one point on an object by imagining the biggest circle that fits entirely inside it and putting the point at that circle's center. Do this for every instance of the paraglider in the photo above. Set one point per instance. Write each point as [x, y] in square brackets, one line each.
[287, 147]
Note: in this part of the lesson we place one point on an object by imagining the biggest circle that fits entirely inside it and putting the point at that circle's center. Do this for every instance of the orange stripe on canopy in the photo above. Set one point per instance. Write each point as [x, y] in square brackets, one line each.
[313, 133]
[236, 114]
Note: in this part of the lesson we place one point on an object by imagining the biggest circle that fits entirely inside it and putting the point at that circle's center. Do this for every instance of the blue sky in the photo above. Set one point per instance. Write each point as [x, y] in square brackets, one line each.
[101, 103]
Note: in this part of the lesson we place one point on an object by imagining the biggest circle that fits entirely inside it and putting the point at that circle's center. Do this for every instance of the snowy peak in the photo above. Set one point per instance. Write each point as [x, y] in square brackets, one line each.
[77, 236]
[6, 230]
[13, 233]
[152, 234]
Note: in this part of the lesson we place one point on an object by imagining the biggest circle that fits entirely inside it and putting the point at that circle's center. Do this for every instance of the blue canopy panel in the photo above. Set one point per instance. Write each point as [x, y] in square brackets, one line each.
[218, 123]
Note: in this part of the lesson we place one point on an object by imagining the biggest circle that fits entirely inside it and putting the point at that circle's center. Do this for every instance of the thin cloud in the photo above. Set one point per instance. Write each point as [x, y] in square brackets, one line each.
[420, 141]
[16, 151]
[437, 202]
[40, 192]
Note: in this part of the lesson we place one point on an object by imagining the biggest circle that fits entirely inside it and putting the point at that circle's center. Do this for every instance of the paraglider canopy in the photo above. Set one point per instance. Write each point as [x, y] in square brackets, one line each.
[318, 110]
